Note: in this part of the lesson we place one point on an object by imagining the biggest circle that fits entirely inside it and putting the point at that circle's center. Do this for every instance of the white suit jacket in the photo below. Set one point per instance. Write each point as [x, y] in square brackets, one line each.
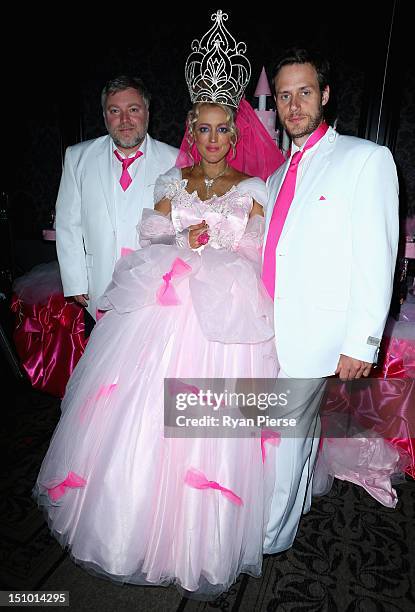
[86, 232]
[336, 255]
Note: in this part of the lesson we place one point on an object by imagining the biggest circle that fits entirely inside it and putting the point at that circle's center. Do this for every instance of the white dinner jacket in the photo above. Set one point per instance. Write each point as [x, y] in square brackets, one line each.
[86, 231]
[335, 258]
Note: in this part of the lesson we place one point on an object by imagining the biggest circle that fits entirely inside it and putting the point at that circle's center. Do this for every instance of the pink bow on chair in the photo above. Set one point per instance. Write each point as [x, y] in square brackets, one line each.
[196, 479]
[166, 295]
[272, 437]
[72, 481]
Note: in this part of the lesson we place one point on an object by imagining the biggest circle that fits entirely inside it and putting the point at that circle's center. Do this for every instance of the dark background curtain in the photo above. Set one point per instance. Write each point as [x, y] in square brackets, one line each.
[52, 90]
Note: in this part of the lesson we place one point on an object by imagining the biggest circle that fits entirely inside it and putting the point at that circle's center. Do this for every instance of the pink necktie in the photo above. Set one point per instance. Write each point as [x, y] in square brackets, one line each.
[126, 180]
[281, 208]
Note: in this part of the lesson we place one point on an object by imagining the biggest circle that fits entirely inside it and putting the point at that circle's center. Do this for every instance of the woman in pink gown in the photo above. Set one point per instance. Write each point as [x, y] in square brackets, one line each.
[131, 503]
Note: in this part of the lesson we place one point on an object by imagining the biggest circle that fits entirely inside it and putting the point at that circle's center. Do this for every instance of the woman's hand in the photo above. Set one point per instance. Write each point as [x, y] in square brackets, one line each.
[194, 232]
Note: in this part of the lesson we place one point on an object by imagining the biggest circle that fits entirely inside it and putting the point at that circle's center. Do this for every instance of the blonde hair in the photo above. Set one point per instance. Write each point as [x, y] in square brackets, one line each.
[193, 116]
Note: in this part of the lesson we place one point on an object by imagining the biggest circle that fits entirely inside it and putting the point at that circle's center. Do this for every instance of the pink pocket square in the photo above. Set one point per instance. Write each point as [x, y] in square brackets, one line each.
[322, 198]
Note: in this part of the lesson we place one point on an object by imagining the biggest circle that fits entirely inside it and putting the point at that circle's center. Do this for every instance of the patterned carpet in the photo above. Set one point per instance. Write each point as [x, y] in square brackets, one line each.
[351, 553]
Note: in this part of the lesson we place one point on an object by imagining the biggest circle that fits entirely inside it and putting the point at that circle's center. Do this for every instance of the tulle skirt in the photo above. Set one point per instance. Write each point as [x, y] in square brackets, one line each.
[115, 490]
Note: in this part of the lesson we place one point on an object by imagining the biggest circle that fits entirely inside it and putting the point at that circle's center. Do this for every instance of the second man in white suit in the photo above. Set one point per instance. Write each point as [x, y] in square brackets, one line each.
[330, 268]
[102, 195]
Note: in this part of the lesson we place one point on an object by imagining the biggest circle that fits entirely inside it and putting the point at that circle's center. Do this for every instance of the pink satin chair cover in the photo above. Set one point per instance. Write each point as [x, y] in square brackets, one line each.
[49, 340]
[398, 361]
[384, 406]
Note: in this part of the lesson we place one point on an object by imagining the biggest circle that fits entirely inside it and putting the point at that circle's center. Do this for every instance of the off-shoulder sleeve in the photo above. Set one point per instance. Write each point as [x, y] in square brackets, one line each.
[165, 184]
[256, 188]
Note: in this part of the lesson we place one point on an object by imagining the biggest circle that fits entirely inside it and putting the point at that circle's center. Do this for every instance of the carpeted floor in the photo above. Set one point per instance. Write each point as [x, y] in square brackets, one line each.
[351, 553]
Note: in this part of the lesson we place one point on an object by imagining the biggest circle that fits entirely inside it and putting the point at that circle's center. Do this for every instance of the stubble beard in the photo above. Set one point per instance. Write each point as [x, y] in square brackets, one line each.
[312, 124]
[128, 144]
[132, 142]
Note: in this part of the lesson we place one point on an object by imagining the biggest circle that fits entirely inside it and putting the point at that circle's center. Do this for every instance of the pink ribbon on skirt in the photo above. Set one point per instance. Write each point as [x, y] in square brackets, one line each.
[103, 391]
[72, 481]
[166, 295]
[196, 479]
[272, 437]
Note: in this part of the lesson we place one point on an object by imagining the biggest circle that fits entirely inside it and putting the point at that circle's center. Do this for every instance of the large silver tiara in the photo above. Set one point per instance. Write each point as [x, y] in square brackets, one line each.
[217, 70]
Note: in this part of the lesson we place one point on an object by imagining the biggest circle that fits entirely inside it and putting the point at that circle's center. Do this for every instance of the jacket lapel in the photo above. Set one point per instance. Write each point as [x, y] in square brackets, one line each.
[104, 159]
[142, 174]
[314, 174]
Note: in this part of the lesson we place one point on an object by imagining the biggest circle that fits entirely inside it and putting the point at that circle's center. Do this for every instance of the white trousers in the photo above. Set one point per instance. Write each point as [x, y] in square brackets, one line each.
[295, 459]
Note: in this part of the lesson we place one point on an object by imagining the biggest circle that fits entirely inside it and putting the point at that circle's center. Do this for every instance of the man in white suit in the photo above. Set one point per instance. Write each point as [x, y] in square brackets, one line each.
[329, 260]
[105, 185]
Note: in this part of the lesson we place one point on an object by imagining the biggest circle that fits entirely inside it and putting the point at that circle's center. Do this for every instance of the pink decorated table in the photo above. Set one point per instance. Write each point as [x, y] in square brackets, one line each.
[368, 425]
[49, 332]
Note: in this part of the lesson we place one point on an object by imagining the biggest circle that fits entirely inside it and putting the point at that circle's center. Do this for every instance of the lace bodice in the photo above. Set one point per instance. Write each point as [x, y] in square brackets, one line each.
[226, 215]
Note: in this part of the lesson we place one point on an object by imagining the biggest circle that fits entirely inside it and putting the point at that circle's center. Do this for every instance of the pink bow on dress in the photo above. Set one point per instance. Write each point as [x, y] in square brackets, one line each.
[166, 295]
[272, 437]
[126, 251]
[103, 391]
[72, 481]
[196, 479]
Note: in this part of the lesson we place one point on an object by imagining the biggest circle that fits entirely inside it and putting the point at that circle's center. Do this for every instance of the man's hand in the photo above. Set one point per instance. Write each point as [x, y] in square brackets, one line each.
[81, 299]
[349, 368]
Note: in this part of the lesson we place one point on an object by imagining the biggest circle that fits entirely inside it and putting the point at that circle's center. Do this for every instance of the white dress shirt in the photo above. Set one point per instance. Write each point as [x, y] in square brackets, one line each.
[126, 202]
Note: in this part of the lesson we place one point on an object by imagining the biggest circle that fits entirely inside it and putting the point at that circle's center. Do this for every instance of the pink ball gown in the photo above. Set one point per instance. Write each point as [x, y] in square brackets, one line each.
[129, 503]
